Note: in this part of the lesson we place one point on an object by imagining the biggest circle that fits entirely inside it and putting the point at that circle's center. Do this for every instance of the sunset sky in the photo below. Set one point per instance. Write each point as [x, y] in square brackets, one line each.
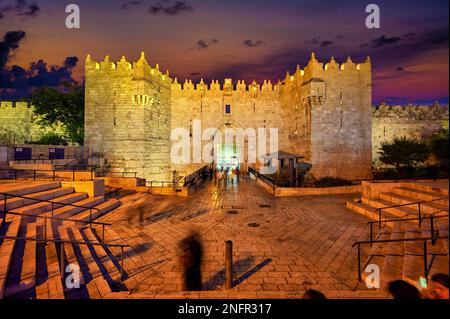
[241, 39]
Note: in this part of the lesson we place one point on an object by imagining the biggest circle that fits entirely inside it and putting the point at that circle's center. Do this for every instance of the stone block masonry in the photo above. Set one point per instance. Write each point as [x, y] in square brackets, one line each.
[323, 112]
[414, 121]
[19, 123]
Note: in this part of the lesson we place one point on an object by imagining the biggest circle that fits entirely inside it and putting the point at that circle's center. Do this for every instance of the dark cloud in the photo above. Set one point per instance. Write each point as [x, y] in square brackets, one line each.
[410, 34]
[17, 82]
[315, 40]
[383, 40]
[9, 44]
[400, 68]
[326, 43]
[20, 8]
[127, 5]
[205, 44]
[170, 7]
[252, 43]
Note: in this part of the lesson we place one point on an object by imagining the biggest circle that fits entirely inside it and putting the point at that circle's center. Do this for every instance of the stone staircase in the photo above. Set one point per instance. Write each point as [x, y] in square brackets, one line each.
[32, 268]
[405, 259]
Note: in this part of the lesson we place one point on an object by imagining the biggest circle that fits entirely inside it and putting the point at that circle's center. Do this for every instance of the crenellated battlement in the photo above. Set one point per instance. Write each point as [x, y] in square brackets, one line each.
[314, 69]
[15, 105]
[227, 86]
[411, 111]
[136, 69]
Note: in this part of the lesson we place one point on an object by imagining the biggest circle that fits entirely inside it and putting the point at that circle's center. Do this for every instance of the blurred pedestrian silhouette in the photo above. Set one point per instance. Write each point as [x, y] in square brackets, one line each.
[400, 289]
[313, 294]
[191, 261]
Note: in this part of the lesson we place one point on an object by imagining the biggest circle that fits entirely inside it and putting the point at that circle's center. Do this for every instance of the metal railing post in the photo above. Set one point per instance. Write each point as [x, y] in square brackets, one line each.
[425, 259]
[121, 264]
[371, 234]
[52, 209]
[45, 230]
[433, 238]
[34, 175]
[15, 174]
[359, 263]
[379, 218]
[229, 264]
[54, 173]
[420, 216]
[103, 233]
[62, 259]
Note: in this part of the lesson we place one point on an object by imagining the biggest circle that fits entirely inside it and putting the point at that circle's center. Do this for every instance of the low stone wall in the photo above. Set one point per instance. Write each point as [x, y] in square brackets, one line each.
[44, 167]
[300, 191]
[308, 191]
[122, 182]
[373, 190]
[180, 191]
[92, 188]
[265, 186]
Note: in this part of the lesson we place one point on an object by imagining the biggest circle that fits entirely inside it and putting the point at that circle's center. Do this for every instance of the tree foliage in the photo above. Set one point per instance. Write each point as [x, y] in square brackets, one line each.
[50, 139]
[403, 152]
[62, 106]
[439, 144]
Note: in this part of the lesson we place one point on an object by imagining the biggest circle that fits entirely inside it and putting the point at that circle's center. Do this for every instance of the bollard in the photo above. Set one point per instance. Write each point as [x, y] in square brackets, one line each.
[229, 264]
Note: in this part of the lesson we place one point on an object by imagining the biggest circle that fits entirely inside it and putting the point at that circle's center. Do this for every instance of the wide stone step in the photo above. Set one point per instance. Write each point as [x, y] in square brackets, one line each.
[99, 286]
[393, 261]
[72, 260]
[376, 253]
[418, 195]
[396, 212]
[413, 262]
[443, 226]
[368, 211]
[110, 270]
[42, 207]
[28, 187]
[440, 187]
[22, 275]
[49, 194]
[12, 225]
[49, 285]
[103, 208]
[82, 206]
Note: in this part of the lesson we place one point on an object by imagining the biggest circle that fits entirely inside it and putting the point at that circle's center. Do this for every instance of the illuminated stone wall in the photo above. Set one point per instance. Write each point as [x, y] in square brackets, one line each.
[322, 112]
[419, 122]
[127, 117]
[19, 124]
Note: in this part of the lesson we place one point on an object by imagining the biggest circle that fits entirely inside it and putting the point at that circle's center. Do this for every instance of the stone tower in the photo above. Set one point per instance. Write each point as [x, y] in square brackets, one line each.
[128, 116]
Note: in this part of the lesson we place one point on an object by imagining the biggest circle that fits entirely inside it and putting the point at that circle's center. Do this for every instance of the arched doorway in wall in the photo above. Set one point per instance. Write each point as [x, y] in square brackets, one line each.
[226, 154]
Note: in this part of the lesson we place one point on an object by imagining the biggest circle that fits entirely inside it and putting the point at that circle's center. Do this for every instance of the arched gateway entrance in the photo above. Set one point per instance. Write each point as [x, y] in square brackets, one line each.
[226, 152]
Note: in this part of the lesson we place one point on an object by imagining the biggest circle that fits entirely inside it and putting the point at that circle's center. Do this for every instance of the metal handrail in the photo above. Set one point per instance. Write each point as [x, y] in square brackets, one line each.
[63, 242]
[45, 217]
[270, 182]
[379, 210]
[420, 219]
[162, 183]
[425, 249]
[5, 204]
[53, 171]
[111, 174]
[43, 159]
[189, 179]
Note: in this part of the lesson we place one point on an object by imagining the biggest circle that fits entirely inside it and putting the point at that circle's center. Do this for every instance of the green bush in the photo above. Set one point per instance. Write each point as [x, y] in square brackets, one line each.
[332, 182]
[50, 139]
